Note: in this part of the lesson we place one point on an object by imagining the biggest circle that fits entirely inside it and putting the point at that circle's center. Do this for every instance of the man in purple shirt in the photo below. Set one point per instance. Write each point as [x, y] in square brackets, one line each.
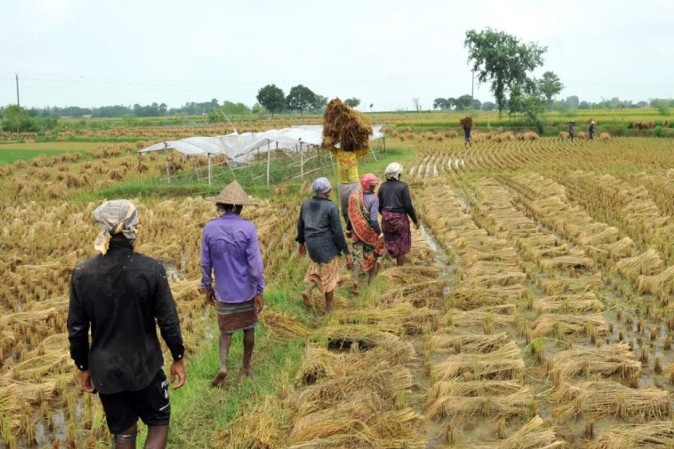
[231, 252]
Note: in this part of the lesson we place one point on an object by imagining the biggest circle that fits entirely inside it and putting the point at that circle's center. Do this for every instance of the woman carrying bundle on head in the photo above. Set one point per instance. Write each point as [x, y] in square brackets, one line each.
[346, 133]
[467, 124]
[395, 206]
[367, 236]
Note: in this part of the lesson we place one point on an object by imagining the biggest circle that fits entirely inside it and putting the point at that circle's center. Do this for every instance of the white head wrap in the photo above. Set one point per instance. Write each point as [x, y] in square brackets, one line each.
[321, 185]
[114, 217]
[393, 170]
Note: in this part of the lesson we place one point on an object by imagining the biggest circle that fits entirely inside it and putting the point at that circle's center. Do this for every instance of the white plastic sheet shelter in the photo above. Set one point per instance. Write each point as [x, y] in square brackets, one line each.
[239, 148]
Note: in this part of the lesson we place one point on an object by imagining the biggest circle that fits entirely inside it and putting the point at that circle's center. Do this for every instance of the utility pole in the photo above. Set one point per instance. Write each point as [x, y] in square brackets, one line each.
[18, 103]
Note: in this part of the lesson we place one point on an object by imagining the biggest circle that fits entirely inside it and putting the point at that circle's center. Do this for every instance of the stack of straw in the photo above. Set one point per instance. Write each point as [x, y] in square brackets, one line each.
[466, 122]
[345, 128]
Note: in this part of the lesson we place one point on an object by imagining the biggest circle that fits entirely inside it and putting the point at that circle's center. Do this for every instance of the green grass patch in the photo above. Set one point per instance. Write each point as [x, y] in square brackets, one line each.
[12, 152]
[199, 411]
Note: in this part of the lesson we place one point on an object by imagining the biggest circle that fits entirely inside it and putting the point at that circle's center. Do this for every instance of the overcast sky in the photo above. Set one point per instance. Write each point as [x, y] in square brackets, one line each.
[383, 52]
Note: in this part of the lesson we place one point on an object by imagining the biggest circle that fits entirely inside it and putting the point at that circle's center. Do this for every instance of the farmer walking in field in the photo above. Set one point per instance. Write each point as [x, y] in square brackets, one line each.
[367, 236]
[467, 124]
[572, 130]
[590, 130]
[395, 205]
[122, 296]
[319, 232]
[231, 252]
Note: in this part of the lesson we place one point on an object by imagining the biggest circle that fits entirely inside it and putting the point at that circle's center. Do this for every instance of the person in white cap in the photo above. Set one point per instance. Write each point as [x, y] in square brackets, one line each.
[231, 252]
[319, 232]
[395, 206]
[122, 296]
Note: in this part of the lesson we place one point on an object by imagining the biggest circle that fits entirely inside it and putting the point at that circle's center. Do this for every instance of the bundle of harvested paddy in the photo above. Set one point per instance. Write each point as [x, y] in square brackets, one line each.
[484, 398]
[569, 303]
[421, 294]
[660, 284]
[466, 122]
[282, 326]
[400, 318]
[468, 343]
[487, 317]
[533, 435]
[509, 276]
[576, 284]
[345, 127]
[384, 381]
[319, 363]
[607, 235]
[410, 275]
[256, 428]
[569, 262]
[561, 325]
[378, 345]
[651, 435]
[603, 399]
[503, 363]
[466, 297]
[505, 254]
[37, 368]
[631, 267]
[186, 290]
[622, 248]
[592, 362]
[363, 422]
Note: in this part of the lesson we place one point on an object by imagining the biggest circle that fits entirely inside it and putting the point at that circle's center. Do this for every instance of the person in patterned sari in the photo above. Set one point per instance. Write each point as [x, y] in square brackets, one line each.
[367, 238]
[395, 206]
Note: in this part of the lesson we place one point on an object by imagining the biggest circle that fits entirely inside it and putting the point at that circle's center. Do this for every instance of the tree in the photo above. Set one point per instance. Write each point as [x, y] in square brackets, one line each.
[441, 103]
[16, 119]
[300, 98]
[505, 61]
[488, 106]
[463, 102]
[319, 103]
[272, 98]
[550, 85]
[417, 104]
[352, 102]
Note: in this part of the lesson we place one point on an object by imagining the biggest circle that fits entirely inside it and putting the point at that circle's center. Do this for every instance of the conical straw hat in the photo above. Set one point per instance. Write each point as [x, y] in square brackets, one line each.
[233, 194]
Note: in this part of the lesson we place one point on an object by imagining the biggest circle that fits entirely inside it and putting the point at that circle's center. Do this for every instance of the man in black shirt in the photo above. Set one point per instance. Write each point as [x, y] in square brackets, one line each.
[123, 296]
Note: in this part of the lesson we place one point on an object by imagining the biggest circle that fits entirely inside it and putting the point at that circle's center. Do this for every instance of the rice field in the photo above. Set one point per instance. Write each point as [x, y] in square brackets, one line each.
[534, 312]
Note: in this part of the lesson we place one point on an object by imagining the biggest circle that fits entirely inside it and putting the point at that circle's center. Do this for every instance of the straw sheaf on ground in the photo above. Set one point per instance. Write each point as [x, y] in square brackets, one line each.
[590, 363]
[536, 434]
[608, 399]
[457, 398]
[561, 325]
[569, 303]
[651, 435]
[503, 363]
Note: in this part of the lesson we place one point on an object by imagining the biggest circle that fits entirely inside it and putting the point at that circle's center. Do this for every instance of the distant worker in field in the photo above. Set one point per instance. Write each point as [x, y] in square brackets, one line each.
[395, 205]
[467, 124]
[346, 134]
[590, 130]
[230, 252]
[571, 130]
[367, 237]
[121, 296]
[319, 232]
